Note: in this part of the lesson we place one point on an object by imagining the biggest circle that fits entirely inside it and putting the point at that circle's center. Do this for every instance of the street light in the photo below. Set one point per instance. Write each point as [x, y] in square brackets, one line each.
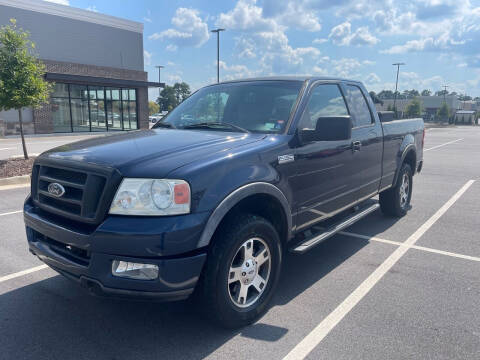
[159, 67]
[396, 87]
[218, 51]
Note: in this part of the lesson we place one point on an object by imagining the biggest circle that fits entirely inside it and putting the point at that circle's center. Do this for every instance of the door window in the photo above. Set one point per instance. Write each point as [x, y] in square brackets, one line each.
[358, 106]
[326, 100]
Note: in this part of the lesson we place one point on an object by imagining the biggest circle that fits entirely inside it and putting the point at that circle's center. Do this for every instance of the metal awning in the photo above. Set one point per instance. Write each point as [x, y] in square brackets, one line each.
[93, 80]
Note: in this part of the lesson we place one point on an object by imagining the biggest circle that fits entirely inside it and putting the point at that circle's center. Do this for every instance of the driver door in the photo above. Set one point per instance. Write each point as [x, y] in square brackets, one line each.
[324, 169]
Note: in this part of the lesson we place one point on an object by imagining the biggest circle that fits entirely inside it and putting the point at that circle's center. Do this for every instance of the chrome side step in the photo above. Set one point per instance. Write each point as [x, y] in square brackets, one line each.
[317, 239]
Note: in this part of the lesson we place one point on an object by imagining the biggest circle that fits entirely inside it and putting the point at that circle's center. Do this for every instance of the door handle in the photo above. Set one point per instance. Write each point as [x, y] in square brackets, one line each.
[356, 146]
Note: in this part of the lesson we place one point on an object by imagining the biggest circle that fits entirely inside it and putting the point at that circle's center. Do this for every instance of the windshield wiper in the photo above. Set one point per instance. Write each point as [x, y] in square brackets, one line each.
[215, 125]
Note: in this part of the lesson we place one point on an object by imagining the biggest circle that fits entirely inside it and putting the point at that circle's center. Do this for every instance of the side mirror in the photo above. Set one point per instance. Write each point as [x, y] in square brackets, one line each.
[386, 116]
[331, 128]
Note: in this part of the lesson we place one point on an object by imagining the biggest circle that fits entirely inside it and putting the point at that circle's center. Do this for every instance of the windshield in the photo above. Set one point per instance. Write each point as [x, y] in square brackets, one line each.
[257, 106]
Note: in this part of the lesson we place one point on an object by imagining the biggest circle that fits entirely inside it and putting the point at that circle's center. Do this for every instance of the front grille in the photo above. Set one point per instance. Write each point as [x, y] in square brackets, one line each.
[83, 196]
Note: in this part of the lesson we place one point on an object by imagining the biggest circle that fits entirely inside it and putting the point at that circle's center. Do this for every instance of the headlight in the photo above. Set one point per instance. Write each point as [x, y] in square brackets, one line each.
[151, 197]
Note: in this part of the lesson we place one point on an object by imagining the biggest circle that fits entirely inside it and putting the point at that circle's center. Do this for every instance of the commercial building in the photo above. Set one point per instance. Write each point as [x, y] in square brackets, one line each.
[465, 117]
[96, 62]
[430, 105]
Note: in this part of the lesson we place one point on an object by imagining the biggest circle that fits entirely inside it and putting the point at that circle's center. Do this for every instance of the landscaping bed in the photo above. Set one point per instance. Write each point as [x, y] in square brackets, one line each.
[15, 167]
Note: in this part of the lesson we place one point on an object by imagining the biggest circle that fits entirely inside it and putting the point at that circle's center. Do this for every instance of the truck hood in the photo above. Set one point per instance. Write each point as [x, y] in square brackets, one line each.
[165, 149]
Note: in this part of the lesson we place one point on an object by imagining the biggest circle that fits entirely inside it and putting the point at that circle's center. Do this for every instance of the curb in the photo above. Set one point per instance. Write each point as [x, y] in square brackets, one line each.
[15, 180]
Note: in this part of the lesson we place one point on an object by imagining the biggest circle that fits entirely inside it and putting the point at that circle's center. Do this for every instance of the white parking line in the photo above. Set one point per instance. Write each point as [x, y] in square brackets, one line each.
[11, 212]
[302, 349]
[447, 143]
[22, 273]
[7, 148]
[423, 248]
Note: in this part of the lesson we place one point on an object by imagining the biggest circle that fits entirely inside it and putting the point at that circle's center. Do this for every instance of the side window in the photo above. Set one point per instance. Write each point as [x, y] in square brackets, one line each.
[358, 106]
[326, 100]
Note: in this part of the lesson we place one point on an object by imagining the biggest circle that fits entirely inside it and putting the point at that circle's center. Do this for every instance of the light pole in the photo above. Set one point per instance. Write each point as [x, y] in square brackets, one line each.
[396, 87]
[218, 51]
[159, 67]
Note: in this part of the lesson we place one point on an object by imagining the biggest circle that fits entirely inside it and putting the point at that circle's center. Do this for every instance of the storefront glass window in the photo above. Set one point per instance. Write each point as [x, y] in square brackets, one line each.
[93, 108]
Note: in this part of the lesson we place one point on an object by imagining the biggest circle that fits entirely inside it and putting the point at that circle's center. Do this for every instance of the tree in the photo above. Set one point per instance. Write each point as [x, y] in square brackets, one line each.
[21, 74]
[464, 98]
[385, 94]
[167, 99]
[414, 108]
[410, 93]
[375, 98]
[441, 92]
[182, 91]
[426, 92]
[443, 112]
[153, 107]
[171, 96]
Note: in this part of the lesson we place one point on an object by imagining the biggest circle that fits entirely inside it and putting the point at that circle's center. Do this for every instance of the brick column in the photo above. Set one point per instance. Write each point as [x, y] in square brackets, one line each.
[142, 101]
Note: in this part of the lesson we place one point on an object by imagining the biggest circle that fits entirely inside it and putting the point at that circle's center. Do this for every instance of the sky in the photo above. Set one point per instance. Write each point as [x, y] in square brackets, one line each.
[438, 40]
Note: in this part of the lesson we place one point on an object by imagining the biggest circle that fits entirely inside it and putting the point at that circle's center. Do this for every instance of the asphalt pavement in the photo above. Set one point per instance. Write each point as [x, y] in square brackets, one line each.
[384, 289]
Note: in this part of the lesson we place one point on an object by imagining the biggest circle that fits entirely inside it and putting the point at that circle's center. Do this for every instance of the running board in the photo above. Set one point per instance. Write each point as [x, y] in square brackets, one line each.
[332, 230]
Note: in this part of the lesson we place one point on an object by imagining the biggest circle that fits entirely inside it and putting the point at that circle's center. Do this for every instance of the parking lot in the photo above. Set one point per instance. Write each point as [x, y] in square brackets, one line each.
[36, 144]
[383, 289]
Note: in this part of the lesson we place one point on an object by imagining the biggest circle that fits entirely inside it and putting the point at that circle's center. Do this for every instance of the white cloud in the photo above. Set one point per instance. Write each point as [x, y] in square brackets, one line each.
[372, 78]
[92, 8]
[319, 71]
[61, 2]
[188, 30]
[231, 72]
[245, 48]
[148, 18]
[246, 16]
[319, 41]
[171, 48]
[147, 56]
[171, 79]
[342, 35]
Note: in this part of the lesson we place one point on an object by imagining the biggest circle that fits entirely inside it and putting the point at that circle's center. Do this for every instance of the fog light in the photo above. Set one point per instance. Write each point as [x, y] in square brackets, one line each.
[134, 270]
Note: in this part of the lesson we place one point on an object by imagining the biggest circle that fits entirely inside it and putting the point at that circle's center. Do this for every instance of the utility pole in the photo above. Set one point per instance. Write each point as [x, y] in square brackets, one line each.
[159, 67]
[445, 93]
[218, 51]
[396, 87]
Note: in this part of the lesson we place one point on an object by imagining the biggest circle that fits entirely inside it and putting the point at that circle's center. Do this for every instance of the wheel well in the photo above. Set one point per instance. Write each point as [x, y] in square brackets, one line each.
[264, 205]
[411, 160]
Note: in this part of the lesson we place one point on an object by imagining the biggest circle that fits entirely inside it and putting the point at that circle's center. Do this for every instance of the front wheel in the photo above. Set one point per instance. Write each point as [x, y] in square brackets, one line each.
[242, 271]
[396, 200]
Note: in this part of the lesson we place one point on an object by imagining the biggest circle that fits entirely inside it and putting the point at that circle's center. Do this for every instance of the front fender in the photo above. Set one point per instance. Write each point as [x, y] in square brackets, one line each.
[233, 198]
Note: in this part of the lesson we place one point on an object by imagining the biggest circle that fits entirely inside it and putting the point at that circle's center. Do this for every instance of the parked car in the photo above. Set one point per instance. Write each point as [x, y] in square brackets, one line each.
[155, 117]
[211, 206]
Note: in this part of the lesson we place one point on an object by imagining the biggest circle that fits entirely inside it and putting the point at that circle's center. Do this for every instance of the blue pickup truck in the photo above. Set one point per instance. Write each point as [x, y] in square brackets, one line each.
[208, 200]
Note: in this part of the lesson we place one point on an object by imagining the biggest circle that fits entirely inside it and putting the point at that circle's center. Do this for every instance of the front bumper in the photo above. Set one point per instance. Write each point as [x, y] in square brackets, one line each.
[86, 255]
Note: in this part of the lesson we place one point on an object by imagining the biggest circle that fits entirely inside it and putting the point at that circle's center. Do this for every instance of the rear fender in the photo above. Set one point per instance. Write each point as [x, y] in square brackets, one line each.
[408, 145]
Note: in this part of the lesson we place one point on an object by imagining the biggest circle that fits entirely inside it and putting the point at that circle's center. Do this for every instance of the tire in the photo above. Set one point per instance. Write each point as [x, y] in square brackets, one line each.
[227, 273]
[396, 200]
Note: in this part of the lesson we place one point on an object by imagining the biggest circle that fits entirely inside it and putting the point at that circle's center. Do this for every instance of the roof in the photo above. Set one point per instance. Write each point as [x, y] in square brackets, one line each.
[74, 13]
[289, 78]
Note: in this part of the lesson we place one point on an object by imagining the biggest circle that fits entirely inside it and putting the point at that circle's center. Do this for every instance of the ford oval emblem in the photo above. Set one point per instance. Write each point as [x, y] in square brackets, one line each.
[56, 189]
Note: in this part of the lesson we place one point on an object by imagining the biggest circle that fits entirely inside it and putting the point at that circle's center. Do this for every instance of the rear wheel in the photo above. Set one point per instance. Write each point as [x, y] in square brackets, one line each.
[242, 271]
[396, 200]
